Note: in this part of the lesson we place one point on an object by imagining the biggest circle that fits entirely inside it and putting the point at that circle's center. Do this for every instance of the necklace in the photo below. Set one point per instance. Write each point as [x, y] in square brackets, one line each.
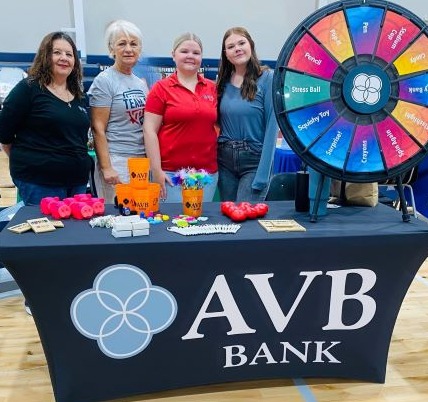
[64, 95]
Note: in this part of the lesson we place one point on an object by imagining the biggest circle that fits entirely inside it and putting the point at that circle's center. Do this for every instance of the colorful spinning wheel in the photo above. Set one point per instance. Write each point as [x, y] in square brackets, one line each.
[351, 90]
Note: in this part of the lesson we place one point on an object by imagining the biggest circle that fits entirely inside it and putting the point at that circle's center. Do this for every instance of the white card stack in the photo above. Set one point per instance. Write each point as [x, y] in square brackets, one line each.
[128, 226]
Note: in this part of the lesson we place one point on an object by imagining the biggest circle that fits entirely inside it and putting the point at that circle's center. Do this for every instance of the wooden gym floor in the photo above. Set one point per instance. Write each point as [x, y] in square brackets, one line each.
[7, 189]
[24, 375]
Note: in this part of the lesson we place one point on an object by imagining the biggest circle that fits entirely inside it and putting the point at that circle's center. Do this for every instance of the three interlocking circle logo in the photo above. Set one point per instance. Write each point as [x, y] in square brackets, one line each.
[366, 89]
[123, 311]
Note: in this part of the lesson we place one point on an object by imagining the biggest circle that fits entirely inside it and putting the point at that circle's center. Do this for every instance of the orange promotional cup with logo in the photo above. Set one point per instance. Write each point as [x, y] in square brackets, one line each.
[192, 202]
[141, 200]
[139, 172]
[154, 193]
[124, 196]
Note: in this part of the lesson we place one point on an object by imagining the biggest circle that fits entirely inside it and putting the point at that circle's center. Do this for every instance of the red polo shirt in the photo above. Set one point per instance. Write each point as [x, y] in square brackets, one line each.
[187, 136]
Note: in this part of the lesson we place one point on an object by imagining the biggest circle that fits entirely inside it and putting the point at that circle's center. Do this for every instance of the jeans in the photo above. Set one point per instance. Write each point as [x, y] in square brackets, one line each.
[32, 194]
[174, 192]
[237, 167]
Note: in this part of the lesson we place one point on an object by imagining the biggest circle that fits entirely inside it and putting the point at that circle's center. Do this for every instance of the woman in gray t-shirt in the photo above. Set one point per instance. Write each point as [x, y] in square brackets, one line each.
[117, 98]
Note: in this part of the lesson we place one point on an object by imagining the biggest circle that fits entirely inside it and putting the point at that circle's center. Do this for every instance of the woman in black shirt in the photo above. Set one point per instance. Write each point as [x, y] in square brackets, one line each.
[44, 125]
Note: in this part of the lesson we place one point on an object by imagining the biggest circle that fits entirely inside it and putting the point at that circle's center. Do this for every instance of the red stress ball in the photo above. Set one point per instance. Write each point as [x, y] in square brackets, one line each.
[243, 210]
[81, 210]
[44, 204]
[97, 205]
[59, 210]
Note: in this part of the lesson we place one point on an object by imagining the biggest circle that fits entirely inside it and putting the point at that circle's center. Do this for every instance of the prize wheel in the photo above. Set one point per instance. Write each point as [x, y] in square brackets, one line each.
[351, 90]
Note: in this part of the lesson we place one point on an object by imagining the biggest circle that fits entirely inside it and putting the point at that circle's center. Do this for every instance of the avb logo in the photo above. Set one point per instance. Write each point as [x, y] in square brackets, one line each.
[123, 311]
[366, 89]
[193, 205]
[139, 176]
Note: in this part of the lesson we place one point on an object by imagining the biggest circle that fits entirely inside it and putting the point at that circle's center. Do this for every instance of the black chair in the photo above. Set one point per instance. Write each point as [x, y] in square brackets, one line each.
[408, 178]
[91, 188]
[282, 187]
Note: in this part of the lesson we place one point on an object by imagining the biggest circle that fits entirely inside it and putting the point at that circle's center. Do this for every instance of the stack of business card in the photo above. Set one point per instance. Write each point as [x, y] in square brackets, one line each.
[130, 226]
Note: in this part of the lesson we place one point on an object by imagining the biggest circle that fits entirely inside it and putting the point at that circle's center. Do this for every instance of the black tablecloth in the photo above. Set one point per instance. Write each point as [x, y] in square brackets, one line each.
[250, 305]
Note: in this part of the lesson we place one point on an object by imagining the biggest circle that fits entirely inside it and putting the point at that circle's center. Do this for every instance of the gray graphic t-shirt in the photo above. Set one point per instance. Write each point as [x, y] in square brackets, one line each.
[125, 95]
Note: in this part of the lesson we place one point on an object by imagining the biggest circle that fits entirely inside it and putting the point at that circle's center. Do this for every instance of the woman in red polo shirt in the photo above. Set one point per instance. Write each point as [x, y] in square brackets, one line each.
[179, 121]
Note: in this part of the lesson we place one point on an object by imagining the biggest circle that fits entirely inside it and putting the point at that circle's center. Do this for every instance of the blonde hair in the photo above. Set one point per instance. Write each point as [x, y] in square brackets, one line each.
[186, 36]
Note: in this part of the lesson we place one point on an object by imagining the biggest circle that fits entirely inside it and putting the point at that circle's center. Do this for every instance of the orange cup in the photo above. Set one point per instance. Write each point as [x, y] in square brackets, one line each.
[139, 172]
[124, 195]
[141, 200]
[192, 202]
[154, 193]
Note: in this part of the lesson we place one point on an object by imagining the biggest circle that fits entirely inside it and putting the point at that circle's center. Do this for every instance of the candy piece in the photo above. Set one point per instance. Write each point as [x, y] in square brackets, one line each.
[155, 222]
[125, 211]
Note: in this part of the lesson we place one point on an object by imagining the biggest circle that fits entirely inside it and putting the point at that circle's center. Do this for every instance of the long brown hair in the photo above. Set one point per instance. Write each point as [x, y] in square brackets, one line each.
[41, 69]
[253, 72]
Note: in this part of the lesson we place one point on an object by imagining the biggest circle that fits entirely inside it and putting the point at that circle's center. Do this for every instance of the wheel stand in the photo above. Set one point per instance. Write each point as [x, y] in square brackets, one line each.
[314, 212]
[399, 183]
[403, 202]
